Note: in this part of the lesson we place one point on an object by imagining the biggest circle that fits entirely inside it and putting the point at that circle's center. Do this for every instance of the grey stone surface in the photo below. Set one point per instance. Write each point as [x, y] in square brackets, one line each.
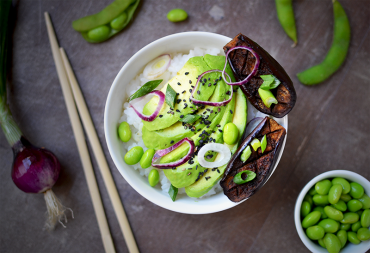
[328, 128]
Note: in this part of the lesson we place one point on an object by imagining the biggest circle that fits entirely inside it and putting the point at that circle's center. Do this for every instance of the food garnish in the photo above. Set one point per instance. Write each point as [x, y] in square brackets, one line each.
[157, 110]
[170, 96]
[263, 143]
[173, 192]
[238, 178]
[157, 67]
[216, 147]
[246, 154]
[145, 89]
[255, 144]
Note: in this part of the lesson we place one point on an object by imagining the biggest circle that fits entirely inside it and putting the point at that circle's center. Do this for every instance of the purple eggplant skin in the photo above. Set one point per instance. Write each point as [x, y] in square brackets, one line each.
[242, 63]
[261, 164]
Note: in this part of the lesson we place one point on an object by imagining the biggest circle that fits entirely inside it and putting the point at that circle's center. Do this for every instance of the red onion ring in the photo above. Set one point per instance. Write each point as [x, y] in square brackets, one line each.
[157, 110]
[196, 101]
[163, 152]
[254, 71]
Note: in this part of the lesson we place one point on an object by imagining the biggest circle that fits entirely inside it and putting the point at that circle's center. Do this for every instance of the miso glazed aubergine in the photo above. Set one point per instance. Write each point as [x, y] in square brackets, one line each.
[193, 132]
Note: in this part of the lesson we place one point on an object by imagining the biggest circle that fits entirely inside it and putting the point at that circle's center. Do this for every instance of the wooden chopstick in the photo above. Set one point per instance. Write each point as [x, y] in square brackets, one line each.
[80, 140]
[99, 155]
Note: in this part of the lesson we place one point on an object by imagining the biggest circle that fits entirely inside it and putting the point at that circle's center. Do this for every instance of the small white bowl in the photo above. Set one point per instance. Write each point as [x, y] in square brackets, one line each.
[176, 43]
[311, 245]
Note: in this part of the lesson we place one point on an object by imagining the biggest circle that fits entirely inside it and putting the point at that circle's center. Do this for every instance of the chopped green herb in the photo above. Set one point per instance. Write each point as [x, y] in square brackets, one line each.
[238, 177]
[269, 82]
[267, 97]
[255, 144]
[173, 192]
[263, 143]
[190, 118]
[246, 154]
[170, 96]
[145, 89]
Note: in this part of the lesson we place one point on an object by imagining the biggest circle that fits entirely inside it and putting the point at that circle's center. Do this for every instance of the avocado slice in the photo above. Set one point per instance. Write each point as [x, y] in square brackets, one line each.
[212, 176]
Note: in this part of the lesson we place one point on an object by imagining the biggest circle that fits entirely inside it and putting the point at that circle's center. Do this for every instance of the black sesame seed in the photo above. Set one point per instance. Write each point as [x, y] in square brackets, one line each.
[177, 110]
[209, 79]
[209, 85]
[181, 116]
[228, 93]
[192, 86]
[183, 91]
[198, 92]
[218, 171]
[186, 73]
[190, 82]
[178, 83]
[204, 80]
[191, 90]
[231, 111]
[160, 116]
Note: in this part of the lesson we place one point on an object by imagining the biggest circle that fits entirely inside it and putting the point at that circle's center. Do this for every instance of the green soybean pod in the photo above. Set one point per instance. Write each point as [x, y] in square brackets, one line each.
[320, 200]
[344, 226]
[350, 218]
[363, 234]
[334, 193]
[365, 200]
[323, 187]
[332, 243]
[342, 236]
[321, 242]
[365, 218]
[146, 159]
[311, 219]
[312, 191]
[153, 177]
[343, 182]
[352, 237]
[345, 197]
[315, 232]
[357, 191]
[356, 226]
[333, 213]
[329, 225]
[321, 210]
[99, 33]
[134, 155]
[124, 131]
[308, 198]
[177, 15]
[354, 205]
[285, 13]
[119, 22]
[305, 208]
[340, 205]
[337, 52]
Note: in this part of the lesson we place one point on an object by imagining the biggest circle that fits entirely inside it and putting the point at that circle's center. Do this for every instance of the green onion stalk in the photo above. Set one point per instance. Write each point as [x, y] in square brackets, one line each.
[34, 170]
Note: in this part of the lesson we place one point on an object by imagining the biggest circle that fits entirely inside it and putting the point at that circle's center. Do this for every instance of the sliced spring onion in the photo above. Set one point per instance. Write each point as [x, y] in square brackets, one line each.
[162, 152]
[263, 143]
[250, 176]
[196, 101]
[189, 118]
[170, 96]
[254, 71]
[157, 67]
[255, 144]
[173, 192]
[246, 154]
[157, 110]
[267, 97]
[269, 82]
[223, 150]
[145, 89]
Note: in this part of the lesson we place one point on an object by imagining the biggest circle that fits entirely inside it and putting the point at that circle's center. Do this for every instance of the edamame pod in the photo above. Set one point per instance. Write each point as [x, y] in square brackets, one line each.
[365, 218]
[352, 237]
[332, 243]
[285, 14]
[334, 194]
[329, 225]
[363, 234]
[119, 21]
[311, 219]
[342, 236]
[323, 187]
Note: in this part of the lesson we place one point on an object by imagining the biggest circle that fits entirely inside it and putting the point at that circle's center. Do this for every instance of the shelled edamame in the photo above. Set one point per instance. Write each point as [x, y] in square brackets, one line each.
[333, 220]
[285, 13]
[108, 22]
[177, 15]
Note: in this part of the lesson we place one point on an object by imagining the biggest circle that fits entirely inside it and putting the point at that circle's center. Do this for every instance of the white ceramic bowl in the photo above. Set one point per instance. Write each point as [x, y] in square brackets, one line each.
[349, 175]
[176, 43]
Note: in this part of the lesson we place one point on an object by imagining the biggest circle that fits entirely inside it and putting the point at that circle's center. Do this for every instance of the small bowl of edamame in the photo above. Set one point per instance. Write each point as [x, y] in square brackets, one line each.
[334, 208]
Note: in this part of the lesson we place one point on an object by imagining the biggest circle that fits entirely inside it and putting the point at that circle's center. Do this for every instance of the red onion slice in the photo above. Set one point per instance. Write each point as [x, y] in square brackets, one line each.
[196, 101]
[162, 152]
[254, 71]
[157, 110]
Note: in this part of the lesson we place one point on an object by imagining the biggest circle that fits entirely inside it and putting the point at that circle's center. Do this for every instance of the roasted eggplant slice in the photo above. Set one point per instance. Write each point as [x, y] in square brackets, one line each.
[260, 163]
[242, 63]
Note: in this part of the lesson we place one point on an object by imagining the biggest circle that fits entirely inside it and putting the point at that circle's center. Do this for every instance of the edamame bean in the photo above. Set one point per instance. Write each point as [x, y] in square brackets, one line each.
[356, 226]
[332, 243]
[365, 218]
[345, 197]
[359, 212]
[305, 208]
[363, 234]
[315, 232]
[146, 159]
[119, 21]
[312, 191]
[337, 52]
[354, 205]
[365, 200]
[285, 15]
[177, 15]
[344, 226]
[340, 205]
[99, 33]
[320, 200]
[321, 210]
[230, 133]
[352, 237]
[329, 225]
[308, 198]
[311, 219]
[357, 191]
[124, 131]
[323, 187]
[334, 193]
[333, 213]
[343, 182]
[153, 177]
[350, 218]
[342, 236]
[134, 155]
[322, 244]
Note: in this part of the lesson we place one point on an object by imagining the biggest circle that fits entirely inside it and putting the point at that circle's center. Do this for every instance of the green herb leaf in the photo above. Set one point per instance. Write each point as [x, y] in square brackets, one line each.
[189, 118]
[238, 177]
[246, 154]
[269, 82]
[170, 96]
[263, 143]
[145, 89]
[173, 192]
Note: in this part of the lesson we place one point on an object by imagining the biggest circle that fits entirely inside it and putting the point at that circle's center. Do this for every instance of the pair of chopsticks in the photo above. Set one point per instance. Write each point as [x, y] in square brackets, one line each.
[73, 96]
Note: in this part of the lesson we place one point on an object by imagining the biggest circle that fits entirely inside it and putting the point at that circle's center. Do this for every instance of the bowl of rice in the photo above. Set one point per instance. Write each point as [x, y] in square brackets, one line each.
[181, 47]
